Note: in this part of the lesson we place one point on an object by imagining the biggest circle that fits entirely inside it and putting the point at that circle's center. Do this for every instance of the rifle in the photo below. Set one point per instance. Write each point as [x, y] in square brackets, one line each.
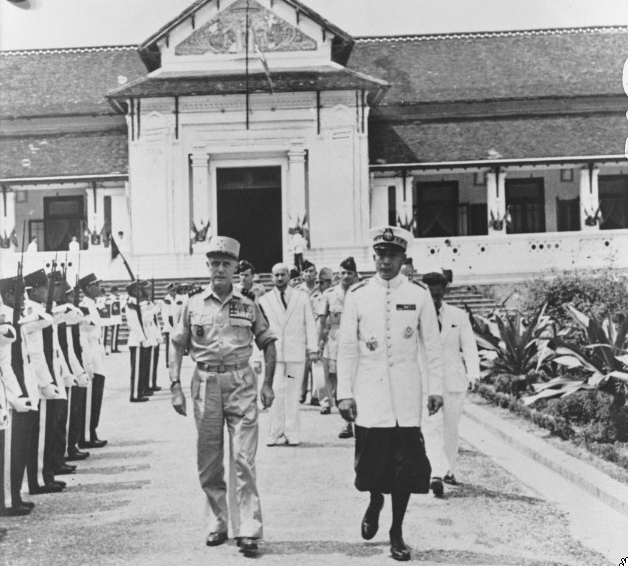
[51, 285]
[17, 359]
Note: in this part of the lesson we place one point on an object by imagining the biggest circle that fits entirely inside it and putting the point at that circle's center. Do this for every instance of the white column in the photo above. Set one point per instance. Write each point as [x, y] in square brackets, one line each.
[496, 200]
[201, 194]
[7, 212]
[296, 175]
[589, 199]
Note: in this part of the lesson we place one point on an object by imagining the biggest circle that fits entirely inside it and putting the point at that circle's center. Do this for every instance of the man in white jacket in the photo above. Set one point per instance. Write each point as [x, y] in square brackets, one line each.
[461, 368]
[386, 321]
[291, 319]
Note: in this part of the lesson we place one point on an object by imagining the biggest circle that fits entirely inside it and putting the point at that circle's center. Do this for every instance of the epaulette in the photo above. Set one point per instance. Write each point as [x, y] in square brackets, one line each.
[195, 291]
[419, 283]
[359, 285]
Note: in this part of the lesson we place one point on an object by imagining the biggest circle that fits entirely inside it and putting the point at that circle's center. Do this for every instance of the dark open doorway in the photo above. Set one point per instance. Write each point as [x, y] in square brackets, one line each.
[249, 210]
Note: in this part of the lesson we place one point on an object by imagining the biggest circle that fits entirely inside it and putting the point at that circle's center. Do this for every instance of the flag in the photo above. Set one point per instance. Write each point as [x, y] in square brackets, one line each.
[115, 250]
[13, 237]
[262, 59]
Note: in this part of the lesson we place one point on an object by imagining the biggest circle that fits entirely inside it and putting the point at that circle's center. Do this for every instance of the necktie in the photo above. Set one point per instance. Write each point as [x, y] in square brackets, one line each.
[283, 299]
[440, 320]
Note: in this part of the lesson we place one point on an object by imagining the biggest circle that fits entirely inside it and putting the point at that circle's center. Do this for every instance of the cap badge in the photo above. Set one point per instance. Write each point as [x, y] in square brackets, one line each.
[388, 235]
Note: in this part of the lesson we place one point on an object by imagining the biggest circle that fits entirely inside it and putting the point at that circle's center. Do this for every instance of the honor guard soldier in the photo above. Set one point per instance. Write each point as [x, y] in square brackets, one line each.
[321, 384]
[138, 342]
[167, 316]
[150, 314]
[25, 415]
[93, 354]
[76, 396]
[38, 351]
[387, 322]
[115, 308]
[218, 325]
[308, 286]
[330, 313]
[13, 404]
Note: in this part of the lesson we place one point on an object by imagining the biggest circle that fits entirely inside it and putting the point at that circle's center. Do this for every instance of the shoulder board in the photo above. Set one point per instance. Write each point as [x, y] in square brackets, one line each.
[195, 292]
[419, 283]
[359, 285]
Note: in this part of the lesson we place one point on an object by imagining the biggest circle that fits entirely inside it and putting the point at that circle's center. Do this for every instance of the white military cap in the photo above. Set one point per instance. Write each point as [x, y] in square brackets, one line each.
[390, 236]
[222, 245]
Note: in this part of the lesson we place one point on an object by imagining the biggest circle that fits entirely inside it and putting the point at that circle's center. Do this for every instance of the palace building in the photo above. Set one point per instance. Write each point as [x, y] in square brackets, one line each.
[503, 152]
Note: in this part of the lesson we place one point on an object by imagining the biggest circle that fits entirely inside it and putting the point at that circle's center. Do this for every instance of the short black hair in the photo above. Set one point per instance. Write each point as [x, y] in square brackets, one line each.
[435, 278]
[244, 265]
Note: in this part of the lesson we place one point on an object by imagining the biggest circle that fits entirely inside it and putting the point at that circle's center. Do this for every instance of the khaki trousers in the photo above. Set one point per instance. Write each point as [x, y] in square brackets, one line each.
[228, 398]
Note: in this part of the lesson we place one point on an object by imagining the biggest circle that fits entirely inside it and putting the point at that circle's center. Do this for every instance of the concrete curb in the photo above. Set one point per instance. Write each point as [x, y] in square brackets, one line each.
[609, 491]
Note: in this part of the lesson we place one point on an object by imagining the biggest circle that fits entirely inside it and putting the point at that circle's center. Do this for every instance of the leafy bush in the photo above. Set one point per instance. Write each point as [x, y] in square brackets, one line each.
[595, 293]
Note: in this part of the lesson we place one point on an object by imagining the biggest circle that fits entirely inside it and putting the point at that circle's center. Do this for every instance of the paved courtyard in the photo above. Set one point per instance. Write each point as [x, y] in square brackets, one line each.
[137, 502]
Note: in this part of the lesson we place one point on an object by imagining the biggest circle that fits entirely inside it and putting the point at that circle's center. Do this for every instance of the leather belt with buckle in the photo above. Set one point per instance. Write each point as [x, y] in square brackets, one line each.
[221, 368]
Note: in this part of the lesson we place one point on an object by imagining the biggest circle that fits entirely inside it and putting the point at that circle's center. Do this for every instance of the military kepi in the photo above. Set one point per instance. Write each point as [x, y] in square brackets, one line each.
[390, 236]
[36, 279]
[88, 280]
[8, 284]
[222, 245]
[349, 264]
[134, 287]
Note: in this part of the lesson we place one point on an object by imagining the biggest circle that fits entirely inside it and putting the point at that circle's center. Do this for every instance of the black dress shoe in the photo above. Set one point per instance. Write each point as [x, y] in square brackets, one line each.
[28, 504]
[325, 410]
[48, 488]
[370, 521]
[216, 539]
[450, 479]
[398, 549]
[155, 388]
[139, 400]
[76, 455]
[64, 470]
[146, 393]
[248, 545]
[437, 487]
[98, 443]
[346, 432]
[58, 482]
[302, 398]
[17, 511]
[315, 402]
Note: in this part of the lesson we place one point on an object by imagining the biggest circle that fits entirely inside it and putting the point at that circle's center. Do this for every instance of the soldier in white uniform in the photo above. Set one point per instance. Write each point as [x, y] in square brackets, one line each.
[330, 313]
[93, 360]
[462, 368]
[218, 325]
[115, 308]
[308, 286]
[138, 342]
[386, 322]
[167, 316]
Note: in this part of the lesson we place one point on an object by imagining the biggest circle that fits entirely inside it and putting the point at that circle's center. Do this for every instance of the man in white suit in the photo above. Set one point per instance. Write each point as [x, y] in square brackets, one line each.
[461, 367]
[291, 319]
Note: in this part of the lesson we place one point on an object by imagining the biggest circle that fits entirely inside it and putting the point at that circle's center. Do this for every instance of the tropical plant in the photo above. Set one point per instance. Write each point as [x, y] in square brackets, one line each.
[601, 364]
[512, 346]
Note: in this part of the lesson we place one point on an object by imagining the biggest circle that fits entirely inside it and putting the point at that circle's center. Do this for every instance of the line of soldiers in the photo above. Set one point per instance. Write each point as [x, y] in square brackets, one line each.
[52, 376]
[145, 336]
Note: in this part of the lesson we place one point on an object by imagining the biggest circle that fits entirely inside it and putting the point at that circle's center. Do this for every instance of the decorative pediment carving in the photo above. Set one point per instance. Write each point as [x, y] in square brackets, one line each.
[226, 33]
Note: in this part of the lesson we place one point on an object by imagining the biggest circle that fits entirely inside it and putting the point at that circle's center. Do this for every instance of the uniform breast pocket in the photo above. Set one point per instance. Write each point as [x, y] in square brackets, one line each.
[241, 327]
[200, 326]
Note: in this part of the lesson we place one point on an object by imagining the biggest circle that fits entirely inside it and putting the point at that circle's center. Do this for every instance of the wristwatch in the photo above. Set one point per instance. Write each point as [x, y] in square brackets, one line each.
[173, 383]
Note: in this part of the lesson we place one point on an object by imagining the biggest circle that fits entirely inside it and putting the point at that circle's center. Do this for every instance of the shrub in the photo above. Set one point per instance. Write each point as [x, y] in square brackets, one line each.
[595, 293]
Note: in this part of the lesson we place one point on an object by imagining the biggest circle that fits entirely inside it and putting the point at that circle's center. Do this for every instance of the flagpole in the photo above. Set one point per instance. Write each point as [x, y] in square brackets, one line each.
[246, 44]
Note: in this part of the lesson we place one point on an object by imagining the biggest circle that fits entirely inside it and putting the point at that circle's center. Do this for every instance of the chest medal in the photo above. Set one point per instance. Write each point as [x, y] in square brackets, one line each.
[372, 344]
[200, 331]
[408, 332]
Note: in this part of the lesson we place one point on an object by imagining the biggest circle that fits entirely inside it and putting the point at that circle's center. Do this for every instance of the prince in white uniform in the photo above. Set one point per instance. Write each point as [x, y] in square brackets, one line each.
[385, 322]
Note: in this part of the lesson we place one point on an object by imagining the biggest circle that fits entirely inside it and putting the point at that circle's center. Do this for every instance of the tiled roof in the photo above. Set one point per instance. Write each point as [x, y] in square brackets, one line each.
[515, 138]
[284, 81]
[64, 81]
[551, 63]
[64, 155]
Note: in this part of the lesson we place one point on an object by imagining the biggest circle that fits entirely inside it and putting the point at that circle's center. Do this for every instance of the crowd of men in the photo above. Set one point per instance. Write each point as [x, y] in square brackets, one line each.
[52, 378]
[314, 332]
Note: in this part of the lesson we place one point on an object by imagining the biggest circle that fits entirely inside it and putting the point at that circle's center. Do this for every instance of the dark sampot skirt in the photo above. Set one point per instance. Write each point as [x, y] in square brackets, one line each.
[391, 459]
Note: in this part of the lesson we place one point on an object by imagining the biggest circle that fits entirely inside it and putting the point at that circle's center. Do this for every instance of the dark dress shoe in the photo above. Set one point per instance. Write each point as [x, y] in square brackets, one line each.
[28, 504]
[248, 545]
[139, 400]
[398, 549]
[48, 488]
[76, 455]
[16, 511]
[370, 521]
[450, 479]
[315, 402]
[58, 482]
[437, 487]
[64, 470]
[302, 398]
[97, 443]
[216, 539]
[146, 393]
[346, 432]
[155, 388]
[325, 410]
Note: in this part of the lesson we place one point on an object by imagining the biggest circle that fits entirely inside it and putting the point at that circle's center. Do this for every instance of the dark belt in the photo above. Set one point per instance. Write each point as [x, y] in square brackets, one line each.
[221, 368]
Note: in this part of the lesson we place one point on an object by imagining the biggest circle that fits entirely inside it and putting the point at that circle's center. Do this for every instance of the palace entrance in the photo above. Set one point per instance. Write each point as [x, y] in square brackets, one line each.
[249, 210]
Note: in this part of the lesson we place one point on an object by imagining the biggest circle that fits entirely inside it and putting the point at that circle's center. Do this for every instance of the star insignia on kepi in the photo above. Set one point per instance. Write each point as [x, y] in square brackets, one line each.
[388, 235]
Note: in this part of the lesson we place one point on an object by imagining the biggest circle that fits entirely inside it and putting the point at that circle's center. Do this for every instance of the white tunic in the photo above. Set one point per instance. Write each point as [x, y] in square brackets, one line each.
[91, 344]
[384, 326]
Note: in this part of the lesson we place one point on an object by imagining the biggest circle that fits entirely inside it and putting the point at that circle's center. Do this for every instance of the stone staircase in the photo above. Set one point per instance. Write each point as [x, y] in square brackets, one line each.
[459, 296]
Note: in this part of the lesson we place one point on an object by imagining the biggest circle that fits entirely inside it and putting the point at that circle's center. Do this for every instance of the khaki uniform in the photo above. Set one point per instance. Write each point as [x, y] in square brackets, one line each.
[219, 336]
